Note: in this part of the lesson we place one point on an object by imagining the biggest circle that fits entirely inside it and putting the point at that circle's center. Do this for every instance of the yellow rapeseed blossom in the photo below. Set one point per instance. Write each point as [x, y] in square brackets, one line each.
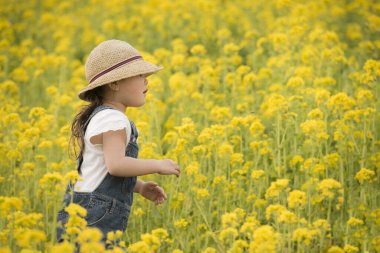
[365, 174]
[329, 188]
[139, 247]
[265, 239]
[355, 221]
[29, 238]
[181, 223]
[276, 188]
[228, 235]
[297, 199]
[315, 128]
[304, 235]
[64, 247]
[256, 174]
[151, 240]
[201, 193]
[9, 203]
[335, 249]
[340, 102]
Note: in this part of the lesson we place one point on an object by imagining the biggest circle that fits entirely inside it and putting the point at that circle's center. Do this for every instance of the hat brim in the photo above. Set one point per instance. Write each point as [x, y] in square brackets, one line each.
[133, 68]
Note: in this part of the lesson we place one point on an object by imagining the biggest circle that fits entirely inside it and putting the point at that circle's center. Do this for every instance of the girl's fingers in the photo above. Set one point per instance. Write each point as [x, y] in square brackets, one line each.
[152, 184]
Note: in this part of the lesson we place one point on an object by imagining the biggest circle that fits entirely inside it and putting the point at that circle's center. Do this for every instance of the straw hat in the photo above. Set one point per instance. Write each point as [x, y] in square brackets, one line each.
[113, 60]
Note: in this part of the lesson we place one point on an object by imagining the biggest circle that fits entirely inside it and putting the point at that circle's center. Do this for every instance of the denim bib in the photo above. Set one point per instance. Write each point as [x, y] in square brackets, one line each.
[109, 205]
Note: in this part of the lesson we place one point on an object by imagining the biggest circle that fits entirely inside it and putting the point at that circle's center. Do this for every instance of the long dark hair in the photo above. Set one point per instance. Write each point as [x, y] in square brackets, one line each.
[95, 97]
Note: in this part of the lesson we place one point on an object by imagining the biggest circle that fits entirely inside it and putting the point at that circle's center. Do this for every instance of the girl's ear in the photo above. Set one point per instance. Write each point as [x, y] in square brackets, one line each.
[114, 85]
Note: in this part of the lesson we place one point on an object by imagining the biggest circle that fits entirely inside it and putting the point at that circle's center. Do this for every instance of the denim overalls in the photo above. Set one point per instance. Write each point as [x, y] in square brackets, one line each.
[109, 205]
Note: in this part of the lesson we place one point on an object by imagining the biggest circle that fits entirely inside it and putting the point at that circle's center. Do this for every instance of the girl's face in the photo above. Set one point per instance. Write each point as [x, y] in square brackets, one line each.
[131, 90]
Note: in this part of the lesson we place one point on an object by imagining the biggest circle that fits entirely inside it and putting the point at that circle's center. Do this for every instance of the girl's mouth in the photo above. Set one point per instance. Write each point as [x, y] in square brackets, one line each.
[145, 91]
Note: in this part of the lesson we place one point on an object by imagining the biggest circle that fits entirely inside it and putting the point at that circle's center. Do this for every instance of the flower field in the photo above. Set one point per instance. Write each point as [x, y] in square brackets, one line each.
[271, 109]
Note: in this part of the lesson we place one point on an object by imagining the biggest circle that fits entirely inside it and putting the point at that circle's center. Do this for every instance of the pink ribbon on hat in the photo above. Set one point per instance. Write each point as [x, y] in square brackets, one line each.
[115, 66]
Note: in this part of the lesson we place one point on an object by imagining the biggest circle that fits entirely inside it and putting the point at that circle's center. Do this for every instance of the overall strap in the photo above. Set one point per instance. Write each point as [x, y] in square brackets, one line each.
[96, 110]
[134, 132]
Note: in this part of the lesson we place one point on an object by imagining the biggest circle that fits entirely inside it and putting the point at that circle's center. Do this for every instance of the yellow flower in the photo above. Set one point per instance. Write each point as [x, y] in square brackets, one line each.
[364, 95]
[329, 188]
[314, 128]
[20, 75]
[177, 60]
[227, 235]
[372, 67]
[90, 234]
[305, 235]
[265, 239]
[64, 247]
[75, 209]
[36, 112]
[160, 233]
[201, 193]
[229, 220]
[272, 104]
[51, 183]
[192, 169]
[225, 150]
[198, 50]
[315, 114]
[249, 227]
[29, 238]
[322, 224]
[219, 180]
[335, 249]
[257, 174]
[151, 240]
[296, 199]
[112, 235]
[295, 82]
[73, 176]
[181, 223]
[256, 128]
[287, 217]
[340, 102]
[220, 114]
[230, 48]
[7, 203]
[355, 222]
[365, 174]
[350, 249]
[138, 212]
[209, 250]
[139, 247]
[324, 81]
[276, 188]
[332, 159]
[236, 159]
[238, 246]
[295, 160]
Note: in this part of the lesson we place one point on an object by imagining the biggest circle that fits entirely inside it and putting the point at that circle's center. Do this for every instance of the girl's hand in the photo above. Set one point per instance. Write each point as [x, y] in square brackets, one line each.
[168, 167]
[150, 190]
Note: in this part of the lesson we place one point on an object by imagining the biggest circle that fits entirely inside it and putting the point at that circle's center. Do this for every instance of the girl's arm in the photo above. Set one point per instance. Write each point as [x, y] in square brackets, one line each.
[120, 165]
[124, 166]
[138, 186]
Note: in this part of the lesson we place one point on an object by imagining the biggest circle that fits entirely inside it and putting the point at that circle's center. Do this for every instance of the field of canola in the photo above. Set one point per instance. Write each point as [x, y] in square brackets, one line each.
[271, 109]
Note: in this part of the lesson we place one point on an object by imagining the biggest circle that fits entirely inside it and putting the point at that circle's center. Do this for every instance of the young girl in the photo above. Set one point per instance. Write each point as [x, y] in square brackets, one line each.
[107, 162]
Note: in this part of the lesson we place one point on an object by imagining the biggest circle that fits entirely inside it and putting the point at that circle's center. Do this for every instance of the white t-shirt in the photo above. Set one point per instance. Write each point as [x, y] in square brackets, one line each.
[93, 167]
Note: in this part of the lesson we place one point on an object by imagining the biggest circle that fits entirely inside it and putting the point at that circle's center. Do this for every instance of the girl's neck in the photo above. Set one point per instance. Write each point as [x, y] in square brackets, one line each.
[117, 105]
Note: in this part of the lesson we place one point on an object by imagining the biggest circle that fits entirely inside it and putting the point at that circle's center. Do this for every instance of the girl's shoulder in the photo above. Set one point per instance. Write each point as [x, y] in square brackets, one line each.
[106, 120]
[109, 115]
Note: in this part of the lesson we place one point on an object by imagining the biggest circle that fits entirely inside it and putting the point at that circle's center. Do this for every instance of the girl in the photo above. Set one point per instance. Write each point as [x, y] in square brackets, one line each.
[107, 161]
